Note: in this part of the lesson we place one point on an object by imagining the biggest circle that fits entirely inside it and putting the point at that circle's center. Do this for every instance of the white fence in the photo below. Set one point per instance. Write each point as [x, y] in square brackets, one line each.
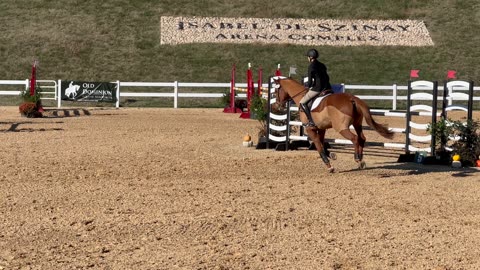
[14, 87]
[11, 88]
[175, 85]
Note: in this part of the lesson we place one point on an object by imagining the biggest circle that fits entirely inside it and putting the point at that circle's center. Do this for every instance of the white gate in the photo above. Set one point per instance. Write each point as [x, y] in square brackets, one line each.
[49, 89]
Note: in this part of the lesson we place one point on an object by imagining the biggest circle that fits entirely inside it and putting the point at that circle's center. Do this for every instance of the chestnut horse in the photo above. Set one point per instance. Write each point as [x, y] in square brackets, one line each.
[337, 111]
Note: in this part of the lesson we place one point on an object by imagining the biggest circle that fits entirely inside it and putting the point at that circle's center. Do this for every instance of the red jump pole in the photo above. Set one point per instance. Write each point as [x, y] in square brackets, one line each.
[33, 79]
[260, 82]
[249, 91]
[231, 108]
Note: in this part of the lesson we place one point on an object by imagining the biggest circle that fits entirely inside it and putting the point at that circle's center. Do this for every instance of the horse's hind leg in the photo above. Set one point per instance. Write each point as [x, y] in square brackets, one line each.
[317, 136]
[361, 140]
[358, 148]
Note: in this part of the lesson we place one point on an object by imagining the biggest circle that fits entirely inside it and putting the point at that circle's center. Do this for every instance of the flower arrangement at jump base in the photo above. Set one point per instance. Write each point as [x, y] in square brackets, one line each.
[466, 149]
[31, 105]
[468, 144]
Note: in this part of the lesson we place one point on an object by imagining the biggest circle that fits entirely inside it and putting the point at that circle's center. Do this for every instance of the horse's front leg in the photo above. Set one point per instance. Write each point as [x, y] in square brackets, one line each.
[318, 136]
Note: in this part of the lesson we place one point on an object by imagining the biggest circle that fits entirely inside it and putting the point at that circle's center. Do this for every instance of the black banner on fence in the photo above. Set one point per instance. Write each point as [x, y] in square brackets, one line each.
[88, 91]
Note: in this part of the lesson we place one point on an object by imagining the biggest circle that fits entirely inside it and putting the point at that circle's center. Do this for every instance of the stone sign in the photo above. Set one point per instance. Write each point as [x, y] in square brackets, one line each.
[180, 30]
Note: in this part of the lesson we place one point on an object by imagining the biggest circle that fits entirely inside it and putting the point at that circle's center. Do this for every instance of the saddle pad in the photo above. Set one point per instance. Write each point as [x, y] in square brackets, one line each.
[317, 101]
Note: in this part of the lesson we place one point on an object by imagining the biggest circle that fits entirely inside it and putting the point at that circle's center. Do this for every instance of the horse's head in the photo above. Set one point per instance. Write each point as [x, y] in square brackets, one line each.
[287, 89]
[281, 94]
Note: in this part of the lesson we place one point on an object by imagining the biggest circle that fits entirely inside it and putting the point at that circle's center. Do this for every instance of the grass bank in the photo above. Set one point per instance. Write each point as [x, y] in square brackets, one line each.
[120, 40]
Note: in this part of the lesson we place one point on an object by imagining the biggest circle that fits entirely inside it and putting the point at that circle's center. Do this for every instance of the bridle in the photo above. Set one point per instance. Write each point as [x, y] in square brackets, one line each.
[279, 87]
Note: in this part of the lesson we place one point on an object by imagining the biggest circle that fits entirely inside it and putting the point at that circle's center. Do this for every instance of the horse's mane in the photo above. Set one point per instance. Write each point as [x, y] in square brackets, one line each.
[292, 83]
[290, 80]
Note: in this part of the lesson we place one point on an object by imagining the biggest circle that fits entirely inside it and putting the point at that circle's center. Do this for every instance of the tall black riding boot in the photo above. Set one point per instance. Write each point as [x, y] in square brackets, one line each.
[306, 109]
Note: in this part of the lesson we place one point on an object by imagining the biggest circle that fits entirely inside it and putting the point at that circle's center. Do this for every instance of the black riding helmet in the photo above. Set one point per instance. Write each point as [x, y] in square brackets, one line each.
[312, 53]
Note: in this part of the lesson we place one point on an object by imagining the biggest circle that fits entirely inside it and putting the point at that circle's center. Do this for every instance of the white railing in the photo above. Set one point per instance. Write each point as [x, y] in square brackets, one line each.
[15, 83]
[175, 94]
[49, 88]
[14, 87]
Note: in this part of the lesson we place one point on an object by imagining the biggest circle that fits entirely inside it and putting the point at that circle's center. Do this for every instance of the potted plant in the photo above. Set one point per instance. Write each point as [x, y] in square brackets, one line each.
[31, 105]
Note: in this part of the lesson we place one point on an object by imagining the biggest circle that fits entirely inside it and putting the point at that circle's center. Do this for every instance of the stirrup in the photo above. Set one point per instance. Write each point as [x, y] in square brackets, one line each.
[309, 124]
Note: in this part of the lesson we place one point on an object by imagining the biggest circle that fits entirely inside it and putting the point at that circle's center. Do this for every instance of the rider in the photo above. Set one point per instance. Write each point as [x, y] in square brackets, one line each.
[318, 83]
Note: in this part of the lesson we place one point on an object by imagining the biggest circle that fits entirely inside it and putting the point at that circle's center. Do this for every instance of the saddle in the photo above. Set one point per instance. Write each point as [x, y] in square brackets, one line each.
[316, 100]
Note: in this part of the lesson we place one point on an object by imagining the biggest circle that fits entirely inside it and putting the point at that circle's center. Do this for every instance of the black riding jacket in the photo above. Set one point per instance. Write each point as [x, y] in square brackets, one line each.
[318, 79]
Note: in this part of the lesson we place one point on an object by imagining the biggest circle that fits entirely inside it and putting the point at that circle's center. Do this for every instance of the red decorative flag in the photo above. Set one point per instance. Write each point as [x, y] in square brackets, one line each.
[33, 78]
[414, 73]
[451, 74]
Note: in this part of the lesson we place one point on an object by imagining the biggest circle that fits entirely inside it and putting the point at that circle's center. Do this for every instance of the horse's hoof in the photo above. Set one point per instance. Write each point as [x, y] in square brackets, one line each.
[333, 156]
[362, 165]
[331, 169]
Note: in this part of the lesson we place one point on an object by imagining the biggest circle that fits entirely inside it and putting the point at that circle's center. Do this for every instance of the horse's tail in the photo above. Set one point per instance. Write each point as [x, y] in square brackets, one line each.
[365, 110]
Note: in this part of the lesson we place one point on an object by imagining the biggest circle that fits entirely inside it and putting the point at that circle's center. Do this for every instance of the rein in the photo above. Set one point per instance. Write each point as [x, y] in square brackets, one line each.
[299, 93]
[291, 97]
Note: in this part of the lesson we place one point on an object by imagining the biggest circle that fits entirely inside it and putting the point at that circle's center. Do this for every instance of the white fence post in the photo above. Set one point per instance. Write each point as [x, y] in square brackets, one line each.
[449, 94]
[175, 92]
[59, 94]
[117, 103]
[394, 99]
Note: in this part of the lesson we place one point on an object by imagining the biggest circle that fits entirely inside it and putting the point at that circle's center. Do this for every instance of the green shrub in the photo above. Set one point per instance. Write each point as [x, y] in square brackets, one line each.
[440, 131]
[258, 108]
[35, 98]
